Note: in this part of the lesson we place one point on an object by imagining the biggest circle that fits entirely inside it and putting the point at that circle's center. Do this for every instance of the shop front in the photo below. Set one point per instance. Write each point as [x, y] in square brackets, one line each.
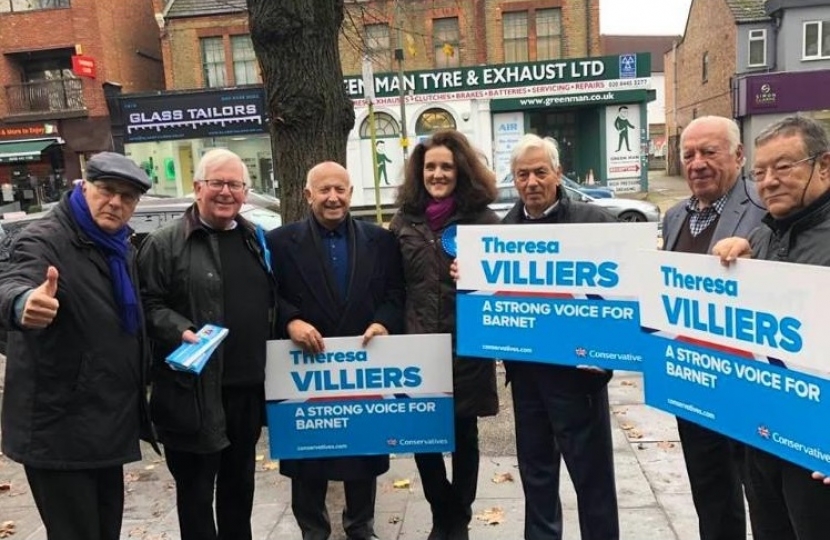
[167, 133]
[768, 97]
[595, 108]
[31, 166]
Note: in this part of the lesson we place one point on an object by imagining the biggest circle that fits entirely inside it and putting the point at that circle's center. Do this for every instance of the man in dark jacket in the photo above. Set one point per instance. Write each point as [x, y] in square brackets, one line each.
[560, 411]
[210, 267]
[74, 401]
[337, 277]
[792, 177]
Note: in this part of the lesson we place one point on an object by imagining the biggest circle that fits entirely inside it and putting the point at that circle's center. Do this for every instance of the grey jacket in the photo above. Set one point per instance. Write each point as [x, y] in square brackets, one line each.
[738, 218]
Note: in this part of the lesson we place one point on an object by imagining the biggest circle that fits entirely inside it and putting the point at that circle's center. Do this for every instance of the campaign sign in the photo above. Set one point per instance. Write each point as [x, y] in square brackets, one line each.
[394, 395]
[552, 293]
[740, 350]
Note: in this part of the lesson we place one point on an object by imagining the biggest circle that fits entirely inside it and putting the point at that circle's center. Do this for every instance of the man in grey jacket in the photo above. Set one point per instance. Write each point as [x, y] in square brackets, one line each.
[720, 207]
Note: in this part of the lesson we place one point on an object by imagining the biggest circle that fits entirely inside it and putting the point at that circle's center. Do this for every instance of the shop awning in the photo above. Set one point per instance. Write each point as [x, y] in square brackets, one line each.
[19, 151]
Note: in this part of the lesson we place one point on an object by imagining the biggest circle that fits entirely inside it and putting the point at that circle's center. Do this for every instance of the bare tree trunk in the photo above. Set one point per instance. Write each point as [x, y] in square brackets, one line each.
[296, 43]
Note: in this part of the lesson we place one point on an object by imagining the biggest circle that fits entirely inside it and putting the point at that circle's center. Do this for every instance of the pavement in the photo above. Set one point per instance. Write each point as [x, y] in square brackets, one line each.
[652, 487]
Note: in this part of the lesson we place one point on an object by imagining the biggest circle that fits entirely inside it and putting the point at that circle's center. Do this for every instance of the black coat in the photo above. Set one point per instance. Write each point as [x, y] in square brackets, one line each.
[181, 289]
[306, 290]
[565, 379]
[430, 305]
[74, 393]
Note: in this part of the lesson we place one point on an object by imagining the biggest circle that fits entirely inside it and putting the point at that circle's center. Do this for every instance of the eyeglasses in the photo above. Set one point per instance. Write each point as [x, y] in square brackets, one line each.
[781, 170]
[128, 196]
[218, 185]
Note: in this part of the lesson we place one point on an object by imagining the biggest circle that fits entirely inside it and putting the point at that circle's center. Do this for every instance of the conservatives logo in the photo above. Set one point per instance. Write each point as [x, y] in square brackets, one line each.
[392, 442]
[581, 352]
[763, 431]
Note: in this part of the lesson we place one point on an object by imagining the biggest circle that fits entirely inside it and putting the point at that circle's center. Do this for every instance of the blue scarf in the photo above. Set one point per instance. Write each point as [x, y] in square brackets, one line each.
[115, 246]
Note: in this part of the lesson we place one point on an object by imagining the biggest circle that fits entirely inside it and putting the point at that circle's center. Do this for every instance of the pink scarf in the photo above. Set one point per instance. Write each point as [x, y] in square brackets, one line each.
[438, 211]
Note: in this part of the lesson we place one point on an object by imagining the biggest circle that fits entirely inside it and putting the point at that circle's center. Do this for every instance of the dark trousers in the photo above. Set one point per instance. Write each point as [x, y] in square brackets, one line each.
[308, 501]
[79, 505]
[576, 427]
[451, 501]
[230, 472]
[784, 502]
[716, 467]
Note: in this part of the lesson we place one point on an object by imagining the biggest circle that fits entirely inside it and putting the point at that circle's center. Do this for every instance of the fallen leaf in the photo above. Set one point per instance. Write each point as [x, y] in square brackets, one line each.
[131, 477]
[491, 516]
[401, 484]
[641, 446]
[501, 478]
[665, 445]
[260, 457]
[619, 411]
[629, 383]
[7, 528]
[394, 520]
[625, 426]
[5, 486]
[270, 466]
[634, 434]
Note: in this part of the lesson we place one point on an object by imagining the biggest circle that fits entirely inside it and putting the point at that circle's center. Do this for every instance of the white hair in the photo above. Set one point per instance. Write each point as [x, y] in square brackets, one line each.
[216, 157]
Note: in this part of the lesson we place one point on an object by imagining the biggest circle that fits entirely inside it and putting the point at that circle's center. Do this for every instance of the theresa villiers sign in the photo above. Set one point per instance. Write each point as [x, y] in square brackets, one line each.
[193, 115]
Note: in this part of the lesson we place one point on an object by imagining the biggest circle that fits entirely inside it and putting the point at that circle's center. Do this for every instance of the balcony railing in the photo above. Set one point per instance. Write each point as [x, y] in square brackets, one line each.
[52, 96]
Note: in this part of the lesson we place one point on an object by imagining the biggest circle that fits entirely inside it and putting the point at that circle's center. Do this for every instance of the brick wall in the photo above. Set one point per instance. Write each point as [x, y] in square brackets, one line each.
[110, 32]
[182, 51]
[711, 29]
[577, 23]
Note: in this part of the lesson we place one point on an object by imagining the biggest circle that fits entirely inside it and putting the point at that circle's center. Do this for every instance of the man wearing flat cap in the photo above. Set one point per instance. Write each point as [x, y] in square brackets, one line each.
[74, 400]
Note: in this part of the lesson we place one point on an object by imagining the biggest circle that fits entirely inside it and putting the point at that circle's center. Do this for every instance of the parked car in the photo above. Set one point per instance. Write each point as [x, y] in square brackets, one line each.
[623, 209]
[597, 192]
[152, 214]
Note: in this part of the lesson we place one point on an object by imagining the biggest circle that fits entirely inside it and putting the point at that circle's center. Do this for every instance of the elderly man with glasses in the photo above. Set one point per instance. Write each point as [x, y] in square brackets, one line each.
[210, 267]
[74, 402]
[792, 176]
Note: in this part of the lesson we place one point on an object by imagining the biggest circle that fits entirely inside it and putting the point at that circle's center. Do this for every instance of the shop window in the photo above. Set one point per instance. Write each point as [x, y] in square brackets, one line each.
[385, 126]
[816, 40]
[445, 42]
[757, 48]
[515, 36]
[378, 47]
[704, 67]
[15, 6]
[548, 34]
[213, 61]
[431, 120]
[245, 67]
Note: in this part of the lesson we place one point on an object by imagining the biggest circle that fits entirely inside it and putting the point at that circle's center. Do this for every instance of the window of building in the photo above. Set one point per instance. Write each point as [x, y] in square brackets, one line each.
[548, 34]
[213, 61]
[245, 67]
[757, 48]
[15, 6]
[378, 47]
[516, 47]
[816, 40]
[431, 120]
[385, 126]
[445, 42]
[704, 72]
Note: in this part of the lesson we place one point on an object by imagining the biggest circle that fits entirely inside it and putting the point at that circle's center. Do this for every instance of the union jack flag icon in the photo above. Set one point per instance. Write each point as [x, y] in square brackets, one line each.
[581, 352]
[763, 431]
[392, 442]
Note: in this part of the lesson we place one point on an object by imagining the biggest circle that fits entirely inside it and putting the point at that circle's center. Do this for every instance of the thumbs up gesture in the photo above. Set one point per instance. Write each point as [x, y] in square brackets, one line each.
[42, 306]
